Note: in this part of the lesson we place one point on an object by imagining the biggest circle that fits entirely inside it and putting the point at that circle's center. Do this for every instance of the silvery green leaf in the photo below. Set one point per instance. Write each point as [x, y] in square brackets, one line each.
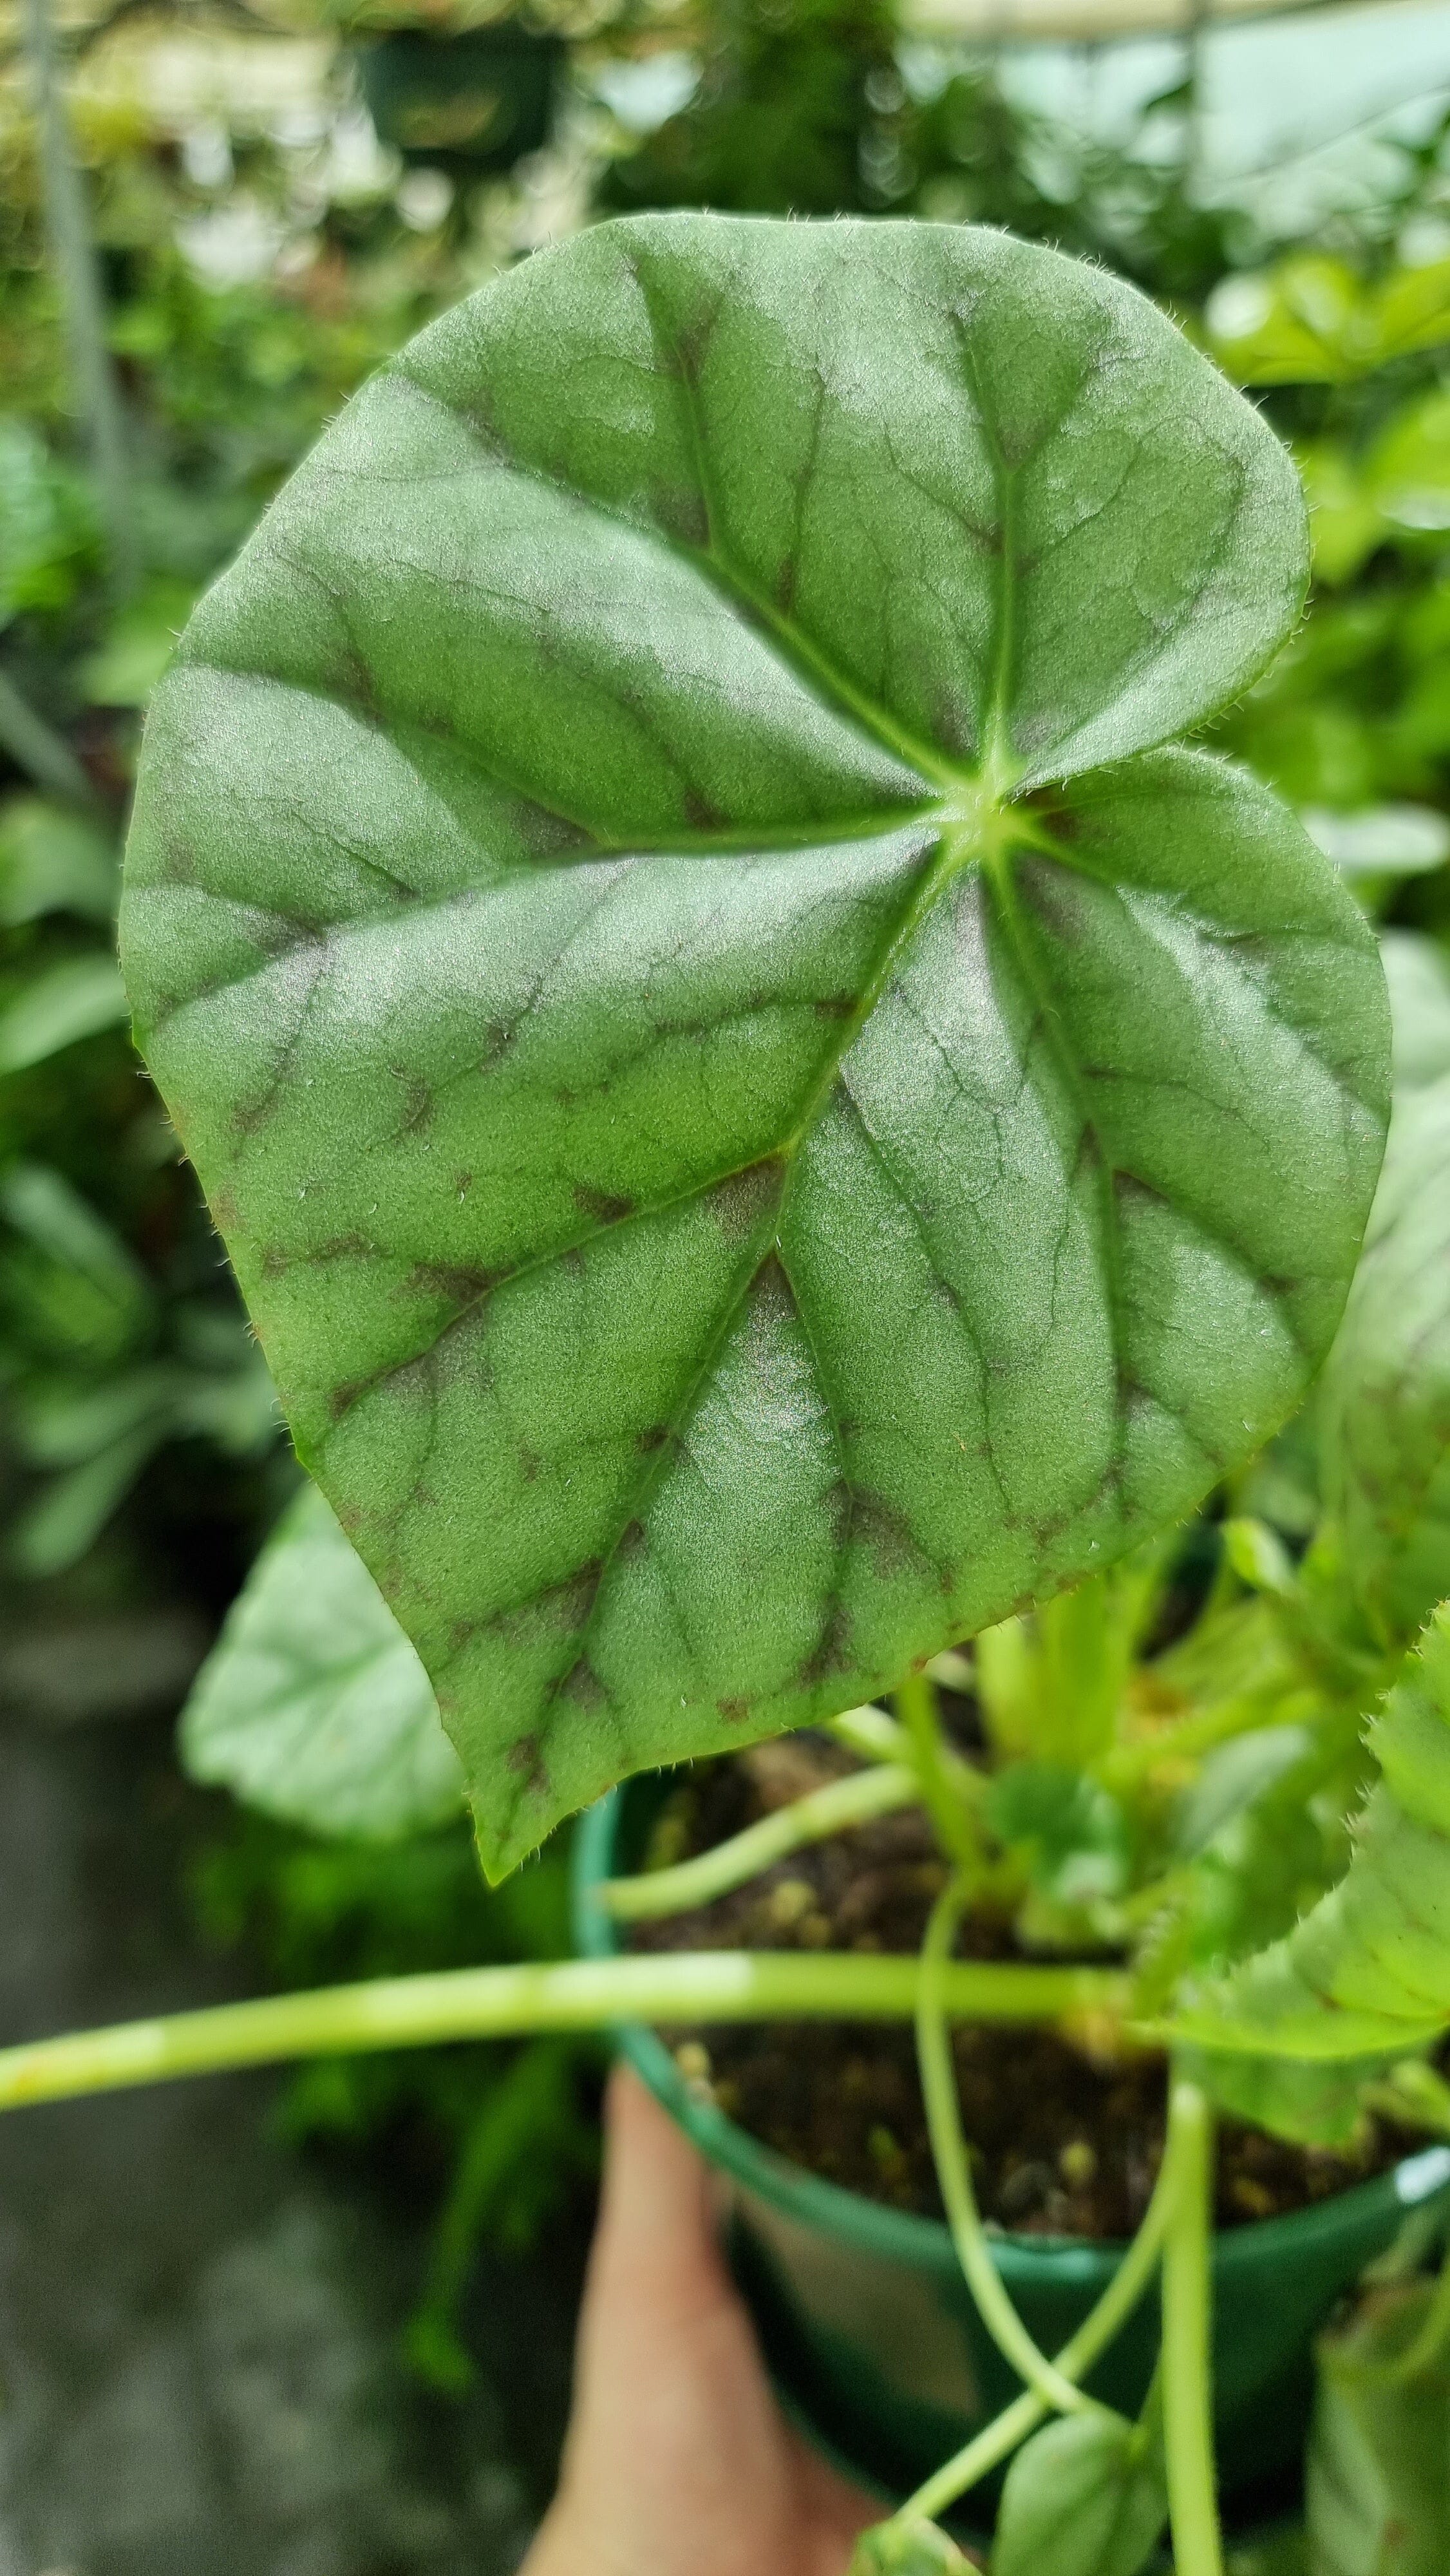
[313, 1705]
[761, 1118]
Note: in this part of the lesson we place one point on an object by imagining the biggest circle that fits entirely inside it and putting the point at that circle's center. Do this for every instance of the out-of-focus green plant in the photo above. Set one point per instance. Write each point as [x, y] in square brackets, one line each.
[121, 1340]
[135, 1405]
[821, 109]
[501, 2136]
[1316, 320]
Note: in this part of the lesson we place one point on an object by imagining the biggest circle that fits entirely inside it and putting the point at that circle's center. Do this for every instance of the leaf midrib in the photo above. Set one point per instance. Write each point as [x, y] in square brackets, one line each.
[733, 586]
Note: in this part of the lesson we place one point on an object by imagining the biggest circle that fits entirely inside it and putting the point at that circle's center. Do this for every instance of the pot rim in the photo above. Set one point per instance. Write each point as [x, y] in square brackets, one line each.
[901, 2235]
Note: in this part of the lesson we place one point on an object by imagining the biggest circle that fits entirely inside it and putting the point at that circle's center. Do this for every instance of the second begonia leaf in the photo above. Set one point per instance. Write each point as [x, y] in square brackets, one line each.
[762, 1120]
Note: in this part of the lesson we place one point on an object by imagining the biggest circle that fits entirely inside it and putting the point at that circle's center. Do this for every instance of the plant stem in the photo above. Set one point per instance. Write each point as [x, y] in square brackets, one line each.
[1187, 2337]
[871, 1734]
[956, 1831]
[874, 1737]
[67, 219]
[831, 1810]
[949, 2151]
[999, 2438]
[575, 1994]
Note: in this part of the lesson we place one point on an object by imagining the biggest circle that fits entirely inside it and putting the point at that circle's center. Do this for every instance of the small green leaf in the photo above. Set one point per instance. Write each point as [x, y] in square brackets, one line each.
[71, 1289]
[1085, 2497]
[44, 1207]
[1386, 1393]
[1367, 1972]
[1234, 1778]
[1407, 471]
[53, 860]
[126, 665]
[1417, 971]
[1287, 325]
[1377, 2473]
[760, 1120]
[62, 1423]
[1050, 1684]
[907, 2549]
[1412, 309]
[1395, 491]
[1258, 1556]
[1265, 1866]
[1381, 840]
[1071, 1832]
[66, 1002]
[55, 1531]
[314, 1706]
[1312, 2104]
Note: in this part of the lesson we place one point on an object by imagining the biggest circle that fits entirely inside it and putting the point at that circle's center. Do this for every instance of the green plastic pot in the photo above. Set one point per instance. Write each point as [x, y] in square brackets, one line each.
[867, 2324]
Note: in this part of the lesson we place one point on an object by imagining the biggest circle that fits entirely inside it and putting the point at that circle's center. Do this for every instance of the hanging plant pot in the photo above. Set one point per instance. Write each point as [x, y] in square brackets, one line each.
[867, 2324]
[468, 104]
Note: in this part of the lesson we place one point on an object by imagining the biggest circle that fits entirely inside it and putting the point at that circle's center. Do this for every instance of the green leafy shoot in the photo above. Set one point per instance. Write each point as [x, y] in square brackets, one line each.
[1050, 1684]
[103, 1371]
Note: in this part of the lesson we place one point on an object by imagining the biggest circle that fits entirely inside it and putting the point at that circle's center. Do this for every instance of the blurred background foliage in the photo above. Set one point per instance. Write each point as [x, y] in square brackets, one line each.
[228, 215]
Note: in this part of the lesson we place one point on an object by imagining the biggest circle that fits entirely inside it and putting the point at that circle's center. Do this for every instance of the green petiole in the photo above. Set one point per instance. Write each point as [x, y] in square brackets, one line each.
[949, 1806]
[997, 2440]
[949, 2150]
[1187, 2337]
[871, 1734]
[831, 1810]
[575, 1994]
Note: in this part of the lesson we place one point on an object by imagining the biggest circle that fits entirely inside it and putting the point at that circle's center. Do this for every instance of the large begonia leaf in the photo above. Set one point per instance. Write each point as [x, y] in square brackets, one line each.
[751, 1149]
